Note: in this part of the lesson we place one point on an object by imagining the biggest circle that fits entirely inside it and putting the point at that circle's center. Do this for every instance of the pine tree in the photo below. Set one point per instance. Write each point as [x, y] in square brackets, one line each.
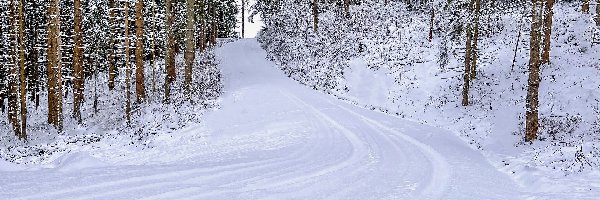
[475, 39]
[54, 67]
[23, 81]
[471, 48]
[202, 17]
[214, 18]
[347, 7]
[190, 52]
[597, 13]
[153, 50]
[170, 49]
[78, 75]
[140, 89]
[532, 101]
[549, 14]
[111, 45]
[127, 65]
[244, 18]
[315, 11]
[13, 67]
[4, 53]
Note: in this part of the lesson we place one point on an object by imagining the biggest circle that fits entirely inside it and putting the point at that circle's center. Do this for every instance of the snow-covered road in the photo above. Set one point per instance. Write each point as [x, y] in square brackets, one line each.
[276, 139]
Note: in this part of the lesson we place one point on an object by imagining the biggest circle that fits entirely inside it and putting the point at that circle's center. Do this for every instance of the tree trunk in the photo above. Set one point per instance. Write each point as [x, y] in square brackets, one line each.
[54, 67]
[96, 63]
[190, 51]
[585, 8]
[315, 9]
[140, 89]
[244, 17]
[23, 80]
[468, 56]
[512, 67]
[34, 77]
[474, 52]
[78, 64]
[532, 102]
[467, 75]
[111, 43]
[202, 25]
[431, 23]
[347, 8]
[154, 30]
[214, 23]
[3, 89]
[13, 69]
[597, 13]
[127, 66]
[3, 62]
[170, 54]
[547, 31]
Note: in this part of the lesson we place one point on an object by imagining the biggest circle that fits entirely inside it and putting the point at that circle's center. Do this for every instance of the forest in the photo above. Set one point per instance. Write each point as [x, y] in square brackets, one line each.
[473, 65]
[333, 99]
[57, 54]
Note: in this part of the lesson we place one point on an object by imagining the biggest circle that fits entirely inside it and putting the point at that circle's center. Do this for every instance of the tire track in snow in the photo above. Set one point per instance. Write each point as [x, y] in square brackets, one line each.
[441, 169]
[358, 151]
[163, 179]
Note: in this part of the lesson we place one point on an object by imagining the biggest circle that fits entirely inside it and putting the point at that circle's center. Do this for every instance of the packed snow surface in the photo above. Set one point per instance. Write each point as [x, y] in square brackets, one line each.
[272, 139]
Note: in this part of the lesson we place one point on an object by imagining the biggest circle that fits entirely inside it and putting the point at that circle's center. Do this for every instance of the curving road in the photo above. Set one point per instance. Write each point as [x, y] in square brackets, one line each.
[276, 139]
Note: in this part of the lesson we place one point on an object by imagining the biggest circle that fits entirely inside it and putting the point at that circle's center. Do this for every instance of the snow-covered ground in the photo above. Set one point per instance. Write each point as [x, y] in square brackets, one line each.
[272, 139]
[381, 58]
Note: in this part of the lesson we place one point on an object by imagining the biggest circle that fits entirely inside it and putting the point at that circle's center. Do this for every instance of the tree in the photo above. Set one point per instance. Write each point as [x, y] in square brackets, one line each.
[13, 68]
[347, 7]
[140, 89]
[23, 81]
[585, 8]
[111, 45]
[471, 48]
[4, 52]
[202, 16]
[190, 51]
[54, 67]
[532, 101]
[244, 17]
[127, 65]
[597, 13]
[78, 86]
[154, 38]
[35, 13]
[170, 54]
[474, 50]
[315, 11]
[213, 19]
[549, 13]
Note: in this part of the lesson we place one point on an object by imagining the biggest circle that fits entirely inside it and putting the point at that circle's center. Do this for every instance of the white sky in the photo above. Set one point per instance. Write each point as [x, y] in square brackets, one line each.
[251, 28]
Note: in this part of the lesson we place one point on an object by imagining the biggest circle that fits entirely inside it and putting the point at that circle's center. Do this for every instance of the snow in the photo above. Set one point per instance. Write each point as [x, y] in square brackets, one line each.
[273, 138]
[399, 71]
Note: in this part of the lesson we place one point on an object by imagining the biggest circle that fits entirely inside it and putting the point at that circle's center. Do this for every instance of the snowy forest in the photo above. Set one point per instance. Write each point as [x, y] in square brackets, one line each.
[333, 99]
[75, 63]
